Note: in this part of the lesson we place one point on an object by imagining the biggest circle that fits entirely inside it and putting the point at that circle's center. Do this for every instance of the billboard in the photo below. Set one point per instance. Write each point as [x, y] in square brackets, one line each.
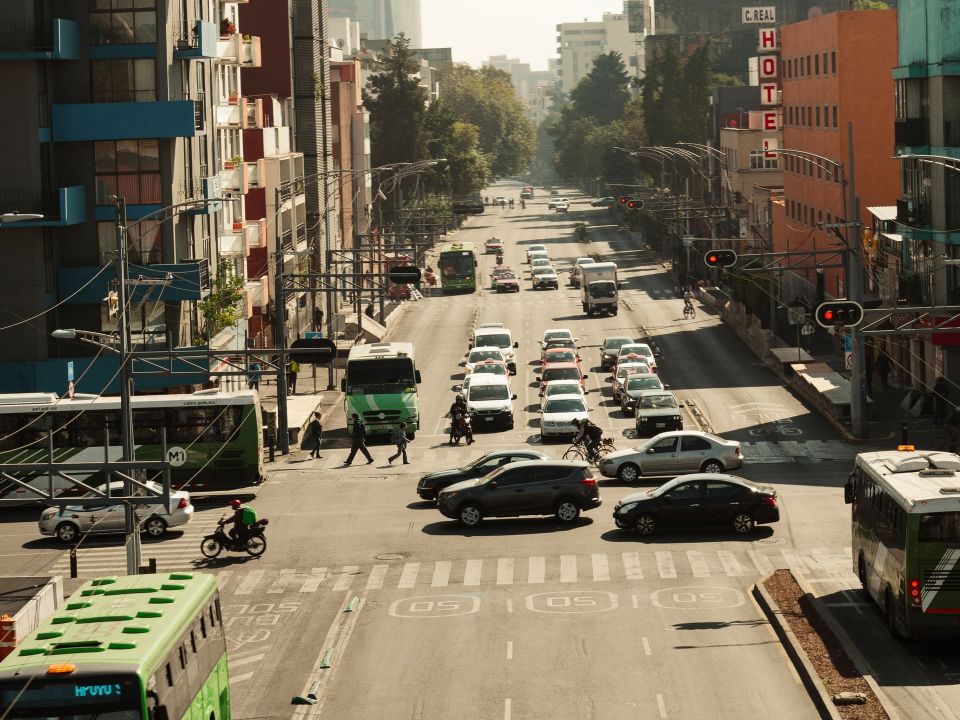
[635, 11]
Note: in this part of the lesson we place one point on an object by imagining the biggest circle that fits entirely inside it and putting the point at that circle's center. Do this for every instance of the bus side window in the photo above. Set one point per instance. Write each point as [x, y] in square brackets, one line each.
[193, 642]
[213, 619]
[169, 676]
[183, 656]
[203, 626]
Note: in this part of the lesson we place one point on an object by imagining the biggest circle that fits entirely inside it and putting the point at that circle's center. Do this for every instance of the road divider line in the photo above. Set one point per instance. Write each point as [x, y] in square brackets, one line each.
[509, 649]
[505, 571]
[661, 706]
[646, 646]
[441, 573]
[377, 575]
[665, 566]
[631, 565]
[568, 568]
[507, 710]
[408, 577]
[471, 575]
[601, 569]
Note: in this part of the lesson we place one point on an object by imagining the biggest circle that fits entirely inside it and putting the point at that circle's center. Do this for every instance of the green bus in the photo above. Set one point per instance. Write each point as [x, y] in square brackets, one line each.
[458, 267]
[143, 647]
[214, 439]
[906, 538]
[380, 385]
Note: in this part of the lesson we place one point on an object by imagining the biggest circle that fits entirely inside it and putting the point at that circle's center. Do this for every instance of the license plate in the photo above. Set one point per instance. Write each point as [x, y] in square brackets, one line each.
[488, 419]
[661, 425]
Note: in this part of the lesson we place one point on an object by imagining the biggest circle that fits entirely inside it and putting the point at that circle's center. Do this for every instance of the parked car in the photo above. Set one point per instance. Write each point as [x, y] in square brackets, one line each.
[534, 487]
[545, 277]
[701, 500]
[432, 483]
[658, 411]
[558, 414]
[610, 349]
[634, 385]
[674, 453]
[604, 202]
[94, 514]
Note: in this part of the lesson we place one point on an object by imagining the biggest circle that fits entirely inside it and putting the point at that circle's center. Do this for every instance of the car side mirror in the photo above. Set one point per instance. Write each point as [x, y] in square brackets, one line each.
[848, 493]
[416, 376]
[586, 375]
[492, 485]
[649, 451]
[666, 387]
[513, 397]
[516, 344]
[537, 379]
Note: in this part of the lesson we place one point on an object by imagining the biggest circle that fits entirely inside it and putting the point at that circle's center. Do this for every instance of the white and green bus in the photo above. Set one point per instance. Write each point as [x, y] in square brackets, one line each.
[906, 538]
[143, 647]
[380, 385]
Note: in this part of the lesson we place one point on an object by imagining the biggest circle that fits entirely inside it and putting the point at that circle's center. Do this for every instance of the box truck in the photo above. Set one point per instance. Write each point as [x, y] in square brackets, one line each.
[598, 288]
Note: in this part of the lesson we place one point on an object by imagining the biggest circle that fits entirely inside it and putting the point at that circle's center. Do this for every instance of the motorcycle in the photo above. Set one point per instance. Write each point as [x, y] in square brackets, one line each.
[255, 544]
[461, 429]
[499, 258]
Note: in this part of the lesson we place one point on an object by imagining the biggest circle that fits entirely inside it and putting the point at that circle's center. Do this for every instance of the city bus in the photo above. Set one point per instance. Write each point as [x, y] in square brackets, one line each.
[458, 267]
[214, 439]
[906, 538]
[380, 385]
[147, 647]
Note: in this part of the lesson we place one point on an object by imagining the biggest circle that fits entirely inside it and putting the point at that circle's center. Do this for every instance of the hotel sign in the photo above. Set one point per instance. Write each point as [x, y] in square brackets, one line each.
[759, 15]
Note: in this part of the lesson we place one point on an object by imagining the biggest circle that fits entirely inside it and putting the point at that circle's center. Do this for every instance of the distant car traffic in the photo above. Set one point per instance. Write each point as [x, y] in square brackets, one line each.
[559, 355]
[564, 343]
[622, 372]
[604, 202]
[558, 414]
[534, 487]
[554, 201]
[478, 354]
[545, 277]
[563, 371]
[610, 349]
[701, 500]
[432, 483]
[673, 453]
[493, 245]
[537, 248]
[560, 387]
[540, 262]
[641, 349]
[562, 206]
[658, 411]
[534, 254]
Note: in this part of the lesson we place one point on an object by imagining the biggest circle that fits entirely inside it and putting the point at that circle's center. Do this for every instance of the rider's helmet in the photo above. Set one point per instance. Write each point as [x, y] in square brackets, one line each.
[576, 422]
[235, 504]
[460, 397]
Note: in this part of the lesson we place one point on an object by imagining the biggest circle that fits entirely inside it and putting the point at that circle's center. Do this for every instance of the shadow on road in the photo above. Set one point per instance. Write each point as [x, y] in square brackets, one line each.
[504, 526]
[695, 535]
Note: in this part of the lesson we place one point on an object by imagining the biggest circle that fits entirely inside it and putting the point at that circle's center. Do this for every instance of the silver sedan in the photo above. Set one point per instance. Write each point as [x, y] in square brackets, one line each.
[674, 453]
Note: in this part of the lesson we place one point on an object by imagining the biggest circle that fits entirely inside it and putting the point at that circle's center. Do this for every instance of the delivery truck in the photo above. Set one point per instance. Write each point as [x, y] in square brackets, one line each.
[598, 288]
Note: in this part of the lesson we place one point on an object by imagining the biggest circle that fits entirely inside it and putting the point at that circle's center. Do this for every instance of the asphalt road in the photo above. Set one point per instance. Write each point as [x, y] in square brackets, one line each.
[518, 618]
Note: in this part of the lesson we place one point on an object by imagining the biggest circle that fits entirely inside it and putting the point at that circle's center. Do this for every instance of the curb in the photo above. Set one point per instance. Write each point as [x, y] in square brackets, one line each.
[849, 647]
[808, 675]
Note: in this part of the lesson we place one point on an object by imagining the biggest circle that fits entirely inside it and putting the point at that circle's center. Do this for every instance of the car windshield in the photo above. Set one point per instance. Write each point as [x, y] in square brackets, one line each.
[658, 401]
[379, 375]
[491, 368]
[650, 383]
[534, 248]
[614, 344]
[557, 335]
[636, 350]
[563, 389]
[543, 271]
[478, 355]
[561, 374]
[500, 340]
[457, 264]
[489, 392]
[564, 405]
[562, 356]
[630, 368]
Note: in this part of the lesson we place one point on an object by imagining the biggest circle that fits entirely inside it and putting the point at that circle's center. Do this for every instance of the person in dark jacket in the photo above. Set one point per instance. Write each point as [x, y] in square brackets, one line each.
[400, 439]
[315, 428]
[358, 440]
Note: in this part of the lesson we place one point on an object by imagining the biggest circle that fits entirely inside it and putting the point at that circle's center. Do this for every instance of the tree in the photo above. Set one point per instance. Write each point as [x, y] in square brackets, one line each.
[602, 94]
[675, 94]
[221, 308]
[396, 103]
[467, 169]
[870, 5]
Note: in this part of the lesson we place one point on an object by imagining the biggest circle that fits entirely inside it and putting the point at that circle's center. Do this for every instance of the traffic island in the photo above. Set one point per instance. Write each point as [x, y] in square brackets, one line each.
[838, 689]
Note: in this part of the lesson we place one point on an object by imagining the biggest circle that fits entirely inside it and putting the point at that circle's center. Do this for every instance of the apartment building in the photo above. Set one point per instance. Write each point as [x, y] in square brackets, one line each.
[579, 43]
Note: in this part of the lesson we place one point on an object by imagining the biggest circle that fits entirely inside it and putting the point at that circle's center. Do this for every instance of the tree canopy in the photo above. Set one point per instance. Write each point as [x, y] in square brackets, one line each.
[602, 94]
[676, 94]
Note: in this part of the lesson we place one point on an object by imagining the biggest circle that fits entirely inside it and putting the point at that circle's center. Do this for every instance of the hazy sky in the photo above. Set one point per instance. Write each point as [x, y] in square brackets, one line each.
[525, 29]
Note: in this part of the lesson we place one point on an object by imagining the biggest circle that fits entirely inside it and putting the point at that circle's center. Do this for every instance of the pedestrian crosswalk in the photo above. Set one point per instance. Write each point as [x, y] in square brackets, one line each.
[735, 560]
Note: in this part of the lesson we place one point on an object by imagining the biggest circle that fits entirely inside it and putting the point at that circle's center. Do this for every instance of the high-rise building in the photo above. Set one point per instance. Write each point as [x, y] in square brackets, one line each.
[579, 43]
[534, 87]
[137, 100]
[383, 19]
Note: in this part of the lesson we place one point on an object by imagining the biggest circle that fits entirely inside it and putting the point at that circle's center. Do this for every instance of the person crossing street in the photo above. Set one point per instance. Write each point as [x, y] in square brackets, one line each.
[358, 441]
[400, 439]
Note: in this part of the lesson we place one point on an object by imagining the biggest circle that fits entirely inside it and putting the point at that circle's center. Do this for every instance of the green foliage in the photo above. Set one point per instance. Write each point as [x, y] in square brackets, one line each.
[486, 99]
[676, 94]
[396, 103]
[467, 169]
[222, 308]
[602, 94]
[870, 5]
[725, 80]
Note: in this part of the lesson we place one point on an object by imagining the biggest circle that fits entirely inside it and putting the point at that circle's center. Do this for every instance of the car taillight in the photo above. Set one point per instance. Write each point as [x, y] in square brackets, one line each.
[914, 586]
[769, 500]
[588, 478]
[183, 504]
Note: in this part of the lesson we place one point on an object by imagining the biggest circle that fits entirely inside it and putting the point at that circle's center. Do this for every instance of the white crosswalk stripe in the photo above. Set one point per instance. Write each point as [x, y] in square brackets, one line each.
[409, 577]
[377, 575]
[665, 565]
[568, 568]
[601, 570]
[536, 570]
[631, 566]
[471, 576]
[505, 571]
[441, 573]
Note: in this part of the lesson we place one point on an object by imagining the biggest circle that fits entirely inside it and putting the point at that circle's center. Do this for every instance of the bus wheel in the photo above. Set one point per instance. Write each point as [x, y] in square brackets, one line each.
[891, 615]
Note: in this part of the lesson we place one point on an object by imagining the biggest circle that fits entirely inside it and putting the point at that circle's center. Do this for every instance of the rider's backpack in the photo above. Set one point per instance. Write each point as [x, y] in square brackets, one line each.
[248, 516]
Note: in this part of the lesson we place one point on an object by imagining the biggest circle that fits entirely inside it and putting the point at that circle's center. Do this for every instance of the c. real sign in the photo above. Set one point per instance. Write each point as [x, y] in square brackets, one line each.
[754, 15]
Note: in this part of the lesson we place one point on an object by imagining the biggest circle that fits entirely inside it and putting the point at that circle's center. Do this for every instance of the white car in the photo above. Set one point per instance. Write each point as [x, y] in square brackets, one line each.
[480, 329]
[490, 402]
[558, 414]
[560, 387]
[557, 334]
[534, 254]
[484, 367]
[537, 248]
[562, 206]
[552, 204]
[479, 354]
[94, 514]
[545, 277]
[540, 262]
[641, 349]
[496, 335]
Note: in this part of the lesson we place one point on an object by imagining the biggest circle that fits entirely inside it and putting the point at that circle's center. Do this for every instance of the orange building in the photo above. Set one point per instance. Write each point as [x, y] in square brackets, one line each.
[835, 69]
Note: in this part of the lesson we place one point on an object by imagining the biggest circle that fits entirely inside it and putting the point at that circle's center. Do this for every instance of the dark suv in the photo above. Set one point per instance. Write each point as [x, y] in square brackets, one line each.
[431, 484]
[534, 487]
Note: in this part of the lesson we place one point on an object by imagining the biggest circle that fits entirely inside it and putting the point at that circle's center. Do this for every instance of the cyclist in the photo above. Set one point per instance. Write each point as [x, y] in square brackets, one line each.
[688, 298]
[590, 434]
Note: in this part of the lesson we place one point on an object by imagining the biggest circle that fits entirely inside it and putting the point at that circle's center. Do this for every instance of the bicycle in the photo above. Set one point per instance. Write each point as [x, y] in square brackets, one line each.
[689, 311]
[578, 451]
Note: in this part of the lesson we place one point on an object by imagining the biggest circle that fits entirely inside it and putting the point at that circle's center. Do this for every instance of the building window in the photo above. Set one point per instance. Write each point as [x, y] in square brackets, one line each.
[834, 116]
[816, 64]
[759, 162]
[817, 109]
[826, 116]
[120, 22]
[144, 242]
[833, 62]
[808, 66]
[123, 80]
[824, 63]
[128, 168]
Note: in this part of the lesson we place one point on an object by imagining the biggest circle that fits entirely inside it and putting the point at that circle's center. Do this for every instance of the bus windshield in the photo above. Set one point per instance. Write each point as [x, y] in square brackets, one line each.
[942, 527]
[456, 265]
[80, 698]
[381, 375]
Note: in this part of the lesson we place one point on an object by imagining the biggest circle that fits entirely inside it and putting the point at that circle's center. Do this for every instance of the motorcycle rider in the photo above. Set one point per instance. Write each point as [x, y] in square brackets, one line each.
[499, 258]
[458, 419]
[240, 530]
[589, 433]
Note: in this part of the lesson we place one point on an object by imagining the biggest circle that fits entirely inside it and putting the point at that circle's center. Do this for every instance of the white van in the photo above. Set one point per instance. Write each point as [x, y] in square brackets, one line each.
[501, 337]
[490, 402]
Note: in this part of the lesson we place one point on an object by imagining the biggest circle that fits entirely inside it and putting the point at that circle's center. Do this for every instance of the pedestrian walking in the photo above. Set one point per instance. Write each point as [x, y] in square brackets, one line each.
[358, 440]
[883, 368]
[400, 439]
[369, 311]
[253, 380]
[315, 429]
[941, 393]
[293, 369]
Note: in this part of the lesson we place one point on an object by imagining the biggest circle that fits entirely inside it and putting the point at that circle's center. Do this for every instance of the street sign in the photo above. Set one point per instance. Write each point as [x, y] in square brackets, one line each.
[808, 329]
[404, 274]
[847, 350]
[176, 456]
[70, 371]
[314, 351]
[313, 335]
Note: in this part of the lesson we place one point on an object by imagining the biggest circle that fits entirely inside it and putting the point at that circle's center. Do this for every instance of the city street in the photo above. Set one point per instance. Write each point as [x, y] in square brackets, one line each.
[519, 618]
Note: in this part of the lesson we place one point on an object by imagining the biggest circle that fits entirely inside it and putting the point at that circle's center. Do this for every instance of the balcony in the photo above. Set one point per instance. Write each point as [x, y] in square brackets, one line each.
[235, 177]
[231, 113]
[913, 132]
[198, 41]
[233, 241]
[89, 285]
[254, 175]
[71, 210]
[209, 188]
[20, 40]
[276, 141]
[912, 213]
[252, 114]
[85, 122]
[237, 49]
[258, 293]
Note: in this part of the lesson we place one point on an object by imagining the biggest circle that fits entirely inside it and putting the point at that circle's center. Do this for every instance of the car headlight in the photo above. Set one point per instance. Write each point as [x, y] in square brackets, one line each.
[627, 508]
[49, 513]
[676, 417]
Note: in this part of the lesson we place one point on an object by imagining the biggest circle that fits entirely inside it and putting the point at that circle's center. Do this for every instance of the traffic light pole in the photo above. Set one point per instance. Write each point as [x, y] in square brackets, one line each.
[858, 380]
[280, 331]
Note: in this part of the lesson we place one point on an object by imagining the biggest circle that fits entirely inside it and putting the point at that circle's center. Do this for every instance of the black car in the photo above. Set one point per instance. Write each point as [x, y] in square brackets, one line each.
[699, 500]
[432, 483]
[604, 202]
[535, 487]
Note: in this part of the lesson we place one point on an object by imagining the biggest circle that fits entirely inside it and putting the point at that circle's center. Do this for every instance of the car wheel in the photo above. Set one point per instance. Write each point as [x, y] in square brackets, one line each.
[567, 511]
[712, 466]
[743, 523]
[469, 515]
[624, 409]
[155, 526]
[628, 473]
[67, 532]
[645, 525]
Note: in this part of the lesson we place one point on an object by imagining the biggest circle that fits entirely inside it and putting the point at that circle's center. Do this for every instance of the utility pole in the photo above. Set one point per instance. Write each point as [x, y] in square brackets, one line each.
[331, 297]
[858, 390]
[131, 526]
[280, 329]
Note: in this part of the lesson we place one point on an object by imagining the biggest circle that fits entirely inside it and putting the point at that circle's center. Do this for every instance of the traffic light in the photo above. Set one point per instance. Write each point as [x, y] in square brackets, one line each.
[839, 312]
[404, 275]
[635, 204]
[720, 258]
[624, 199]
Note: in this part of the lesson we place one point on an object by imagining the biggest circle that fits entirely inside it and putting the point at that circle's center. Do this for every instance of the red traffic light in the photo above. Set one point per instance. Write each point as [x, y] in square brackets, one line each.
[635, 204]
[624, 199]
[839, 312]
[720, 258]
